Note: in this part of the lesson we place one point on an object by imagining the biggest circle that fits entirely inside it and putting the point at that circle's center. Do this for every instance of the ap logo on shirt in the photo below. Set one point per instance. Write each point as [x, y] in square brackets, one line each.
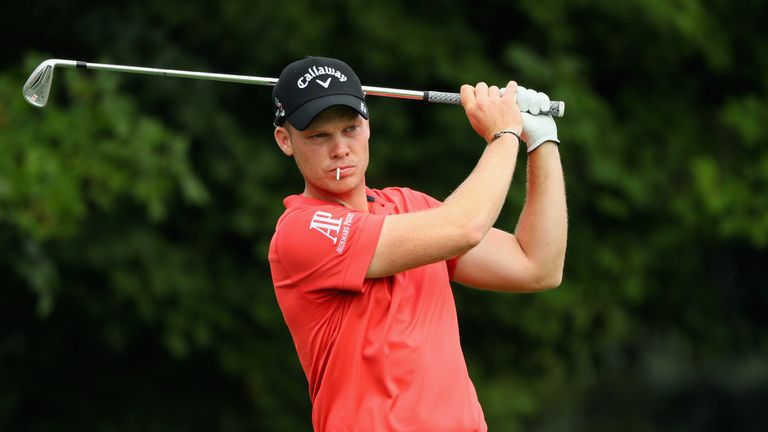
[326, 224]
[331, 227]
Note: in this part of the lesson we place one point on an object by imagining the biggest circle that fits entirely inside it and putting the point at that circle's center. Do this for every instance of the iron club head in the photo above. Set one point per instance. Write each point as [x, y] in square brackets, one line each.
[38, 85]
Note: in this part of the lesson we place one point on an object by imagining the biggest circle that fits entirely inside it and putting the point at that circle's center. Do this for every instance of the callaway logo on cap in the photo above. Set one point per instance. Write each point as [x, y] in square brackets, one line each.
[311, 85]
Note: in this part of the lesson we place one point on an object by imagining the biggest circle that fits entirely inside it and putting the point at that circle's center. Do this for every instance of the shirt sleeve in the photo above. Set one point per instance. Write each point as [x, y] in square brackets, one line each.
[324, 248]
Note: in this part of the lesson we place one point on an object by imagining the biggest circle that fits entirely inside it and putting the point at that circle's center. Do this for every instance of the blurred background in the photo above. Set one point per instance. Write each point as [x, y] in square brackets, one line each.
[136, 211]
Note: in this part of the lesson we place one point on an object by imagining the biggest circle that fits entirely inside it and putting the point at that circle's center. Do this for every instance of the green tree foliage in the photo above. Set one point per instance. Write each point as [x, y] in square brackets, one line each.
[135, 212]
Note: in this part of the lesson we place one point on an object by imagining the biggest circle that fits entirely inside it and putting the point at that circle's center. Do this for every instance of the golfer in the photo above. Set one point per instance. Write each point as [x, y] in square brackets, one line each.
[362, 275]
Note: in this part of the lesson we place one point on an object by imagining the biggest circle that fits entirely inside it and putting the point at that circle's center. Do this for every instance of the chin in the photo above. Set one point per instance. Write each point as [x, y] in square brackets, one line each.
[343, 186]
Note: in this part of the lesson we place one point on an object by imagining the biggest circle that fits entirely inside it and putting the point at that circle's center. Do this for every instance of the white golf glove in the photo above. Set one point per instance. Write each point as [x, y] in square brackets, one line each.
[537, 128]
[531, 101]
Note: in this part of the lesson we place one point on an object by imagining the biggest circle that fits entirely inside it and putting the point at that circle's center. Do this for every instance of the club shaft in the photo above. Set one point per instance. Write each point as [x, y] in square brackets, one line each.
[243, 79]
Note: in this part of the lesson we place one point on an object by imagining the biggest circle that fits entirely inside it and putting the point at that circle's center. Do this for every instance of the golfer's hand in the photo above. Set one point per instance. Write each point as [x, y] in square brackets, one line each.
[488, 112]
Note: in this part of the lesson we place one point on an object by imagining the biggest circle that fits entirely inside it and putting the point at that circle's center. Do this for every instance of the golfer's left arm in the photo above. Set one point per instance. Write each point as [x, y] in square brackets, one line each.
[532, 259]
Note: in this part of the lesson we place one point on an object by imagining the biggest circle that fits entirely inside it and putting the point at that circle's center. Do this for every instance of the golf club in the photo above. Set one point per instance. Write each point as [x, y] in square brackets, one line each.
[38, 86]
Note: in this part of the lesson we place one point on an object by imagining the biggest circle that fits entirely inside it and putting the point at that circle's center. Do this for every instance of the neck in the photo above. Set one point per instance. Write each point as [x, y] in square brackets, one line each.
[355, 198]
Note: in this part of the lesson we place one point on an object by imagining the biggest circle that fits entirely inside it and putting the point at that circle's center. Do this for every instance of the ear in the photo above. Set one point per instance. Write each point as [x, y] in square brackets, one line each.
[283, 139]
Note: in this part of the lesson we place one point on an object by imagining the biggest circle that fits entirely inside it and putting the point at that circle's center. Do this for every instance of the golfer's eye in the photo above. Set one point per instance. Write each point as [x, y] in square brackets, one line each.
[351, 128]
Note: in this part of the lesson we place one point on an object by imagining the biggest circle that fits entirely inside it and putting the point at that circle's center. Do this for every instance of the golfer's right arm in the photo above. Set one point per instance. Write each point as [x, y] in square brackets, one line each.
[415, 239]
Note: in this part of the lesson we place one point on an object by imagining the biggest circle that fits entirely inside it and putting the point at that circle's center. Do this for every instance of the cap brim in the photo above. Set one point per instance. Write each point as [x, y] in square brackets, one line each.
[303, 116]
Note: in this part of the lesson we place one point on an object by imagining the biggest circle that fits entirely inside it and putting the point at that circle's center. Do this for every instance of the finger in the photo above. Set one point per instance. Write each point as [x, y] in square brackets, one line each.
[481, 90]
[519, 94]
[511, 90]
[524, 98]
[534, 105]
[493, 91]
[543, 102]
[467, 95]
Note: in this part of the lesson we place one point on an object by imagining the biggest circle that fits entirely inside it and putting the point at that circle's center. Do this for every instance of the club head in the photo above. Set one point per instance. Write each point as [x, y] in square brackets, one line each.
[38, 85]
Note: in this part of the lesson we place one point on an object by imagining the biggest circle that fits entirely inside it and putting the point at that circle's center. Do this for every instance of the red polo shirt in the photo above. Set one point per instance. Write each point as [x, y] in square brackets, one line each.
[379, 354]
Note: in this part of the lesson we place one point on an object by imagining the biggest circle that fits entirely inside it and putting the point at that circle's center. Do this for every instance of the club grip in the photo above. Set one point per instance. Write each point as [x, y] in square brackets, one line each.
[556, 108]
[444, 98]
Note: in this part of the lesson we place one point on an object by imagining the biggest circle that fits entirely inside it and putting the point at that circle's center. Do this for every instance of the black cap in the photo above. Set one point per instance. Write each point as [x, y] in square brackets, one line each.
[309, 86]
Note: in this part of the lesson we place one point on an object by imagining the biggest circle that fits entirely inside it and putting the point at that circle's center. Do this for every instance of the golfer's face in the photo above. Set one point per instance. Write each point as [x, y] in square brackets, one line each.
[332, 153]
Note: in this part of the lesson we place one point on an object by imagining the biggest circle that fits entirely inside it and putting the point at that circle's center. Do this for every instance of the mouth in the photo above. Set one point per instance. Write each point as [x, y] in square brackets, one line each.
[342, 171]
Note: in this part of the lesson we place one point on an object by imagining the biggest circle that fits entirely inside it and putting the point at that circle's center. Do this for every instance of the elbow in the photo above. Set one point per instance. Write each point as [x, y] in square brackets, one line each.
[474, 237]
[462, 239]
[547, 280]
[552, 281]
[550, 276]
[470, 236]
[463, 230]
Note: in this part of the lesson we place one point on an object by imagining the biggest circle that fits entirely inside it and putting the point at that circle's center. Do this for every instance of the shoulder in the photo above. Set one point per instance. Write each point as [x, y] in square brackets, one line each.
[324, 246]
[406, 198]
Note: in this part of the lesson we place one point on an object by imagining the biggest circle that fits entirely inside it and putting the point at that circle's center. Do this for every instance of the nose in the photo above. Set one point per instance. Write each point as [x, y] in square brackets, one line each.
[339, 148]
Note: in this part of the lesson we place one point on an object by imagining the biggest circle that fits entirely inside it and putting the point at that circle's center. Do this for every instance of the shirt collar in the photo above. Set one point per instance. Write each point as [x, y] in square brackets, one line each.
[376, 204]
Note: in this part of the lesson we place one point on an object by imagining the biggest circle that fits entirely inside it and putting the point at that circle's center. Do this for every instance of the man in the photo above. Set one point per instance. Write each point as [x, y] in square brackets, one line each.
[362, 275]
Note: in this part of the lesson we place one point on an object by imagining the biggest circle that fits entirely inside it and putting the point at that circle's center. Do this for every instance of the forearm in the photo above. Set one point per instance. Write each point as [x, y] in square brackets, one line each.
[477, 202]
[542, 230]
[413, 239]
